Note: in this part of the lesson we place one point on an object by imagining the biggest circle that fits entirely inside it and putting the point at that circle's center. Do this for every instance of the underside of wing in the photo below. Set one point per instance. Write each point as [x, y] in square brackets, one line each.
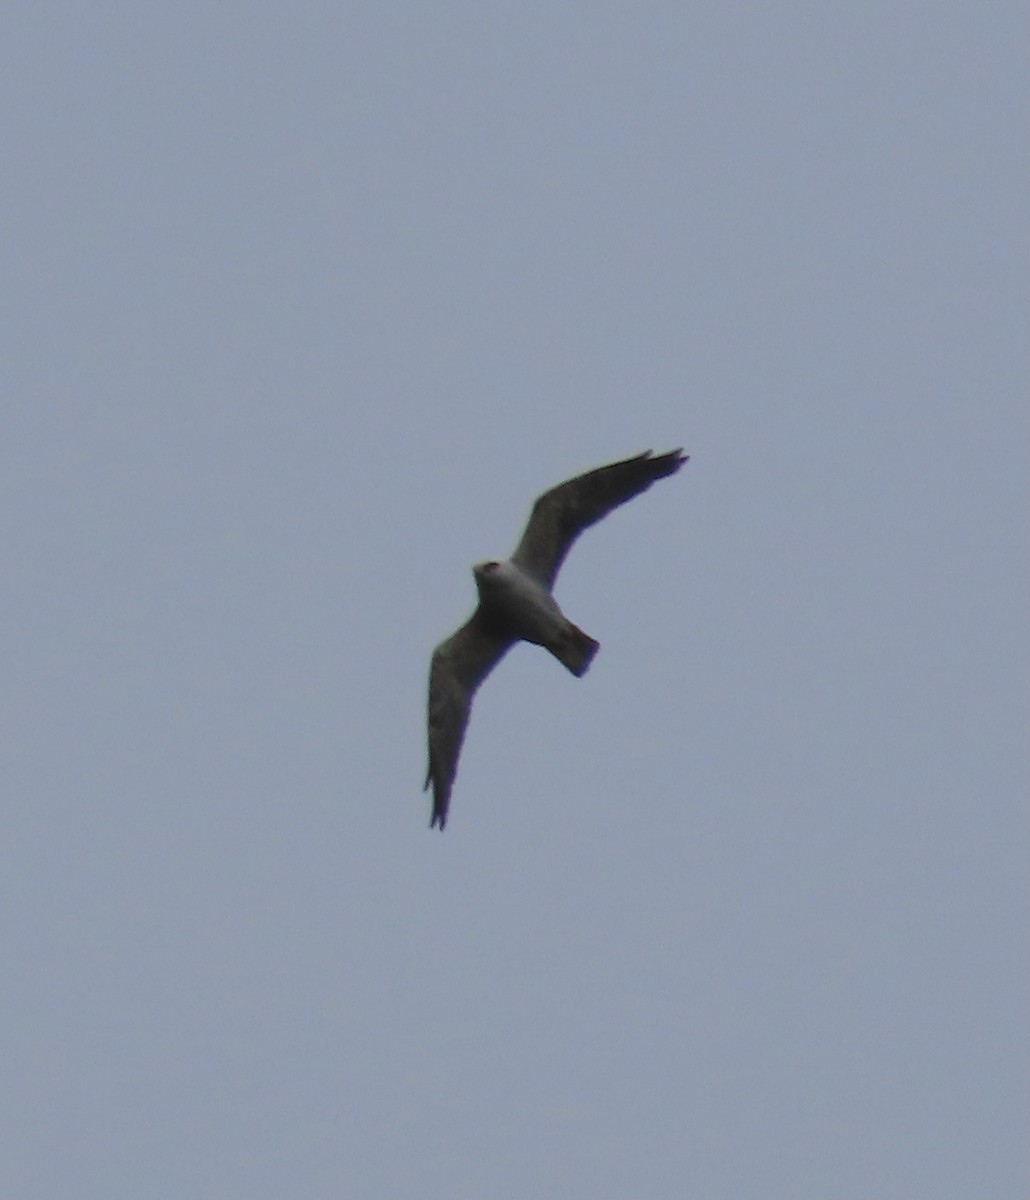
[459, 666]
[560, 515]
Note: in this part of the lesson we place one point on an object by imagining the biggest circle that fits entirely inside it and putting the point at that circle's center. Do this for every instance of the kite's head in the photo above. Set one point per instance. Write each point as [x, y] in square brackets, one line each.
[488, 575]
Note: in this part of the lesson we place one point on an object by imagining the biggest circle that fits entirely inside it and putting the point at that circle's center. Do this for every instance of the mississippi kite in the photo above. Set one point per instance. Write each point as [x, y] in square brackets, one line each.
[515, 604]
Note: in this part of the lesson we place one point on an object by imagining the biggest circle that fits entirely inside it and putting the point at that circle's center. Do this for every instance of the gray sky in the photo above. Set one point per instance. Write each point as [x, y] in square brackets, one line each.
[303, 305]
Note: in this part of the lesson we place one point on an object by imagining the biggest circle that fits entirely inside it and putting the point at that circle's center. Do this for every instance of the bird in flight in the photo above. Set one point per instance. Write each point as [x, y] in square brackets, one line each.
[515, 604]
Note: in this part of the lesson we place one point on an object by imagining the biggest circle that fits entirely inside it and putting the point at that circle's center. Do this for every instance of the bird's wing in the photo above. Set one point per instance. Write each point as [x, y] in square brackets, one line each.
[459, 666]
[560, 515]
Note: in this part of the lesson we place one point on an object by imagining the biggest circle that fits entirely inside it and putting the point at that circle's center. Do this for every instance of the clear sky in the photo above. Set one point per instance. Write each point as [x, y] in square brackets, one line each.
[303, 305]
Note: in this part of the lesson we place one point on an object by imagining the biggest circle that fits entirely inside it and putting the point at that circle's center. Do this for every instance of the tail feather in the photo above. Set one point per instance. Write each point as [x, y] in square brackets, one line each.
[575, 650]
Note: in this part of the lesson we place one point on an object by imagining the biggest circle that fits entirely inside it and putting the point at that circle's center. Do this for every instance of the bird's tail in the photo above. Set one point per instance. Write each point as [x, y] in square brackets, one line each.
[575, 649]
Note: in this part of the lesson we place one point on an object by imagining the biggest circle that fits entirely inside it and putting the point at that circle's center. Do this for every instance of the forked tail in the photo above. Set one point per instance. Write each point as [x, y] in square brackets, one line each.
[575, 649]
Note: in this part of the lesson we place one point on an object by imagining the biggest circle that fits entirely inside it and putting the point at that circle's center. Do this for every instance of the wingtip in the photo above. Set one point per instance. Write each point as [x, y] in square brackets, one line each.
[669, 462]
[439, 813]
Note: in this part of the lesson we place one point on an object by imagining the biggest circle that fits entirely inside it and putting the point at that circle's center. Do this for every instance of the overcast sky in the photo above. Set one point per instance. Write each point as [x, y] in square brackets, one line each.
[303, 305]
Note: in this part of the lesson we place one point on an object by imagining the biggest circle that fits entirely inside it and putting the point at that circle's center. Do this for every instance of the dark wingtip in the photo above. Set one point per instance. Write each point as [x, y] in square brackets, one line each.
[668, 462]
[439, 815]
[675, 458]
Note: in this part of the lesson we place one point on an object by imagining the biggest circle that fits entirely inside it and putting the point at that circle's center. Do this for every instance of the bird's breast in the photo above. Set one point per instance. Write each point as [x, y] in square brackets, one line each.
[517, 603]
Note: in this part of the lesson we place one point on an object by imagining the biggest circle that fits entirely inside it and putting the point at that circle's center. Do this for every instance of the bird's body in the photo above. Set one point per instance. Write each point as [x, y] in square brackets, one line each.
[516, 604]
[513, 602]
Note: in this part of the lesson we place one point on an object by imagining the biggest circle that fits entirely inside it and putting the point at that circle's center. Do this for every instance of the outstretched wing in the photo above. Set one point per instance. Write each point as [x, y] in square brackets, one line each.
[560, 515]
[459, 666]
